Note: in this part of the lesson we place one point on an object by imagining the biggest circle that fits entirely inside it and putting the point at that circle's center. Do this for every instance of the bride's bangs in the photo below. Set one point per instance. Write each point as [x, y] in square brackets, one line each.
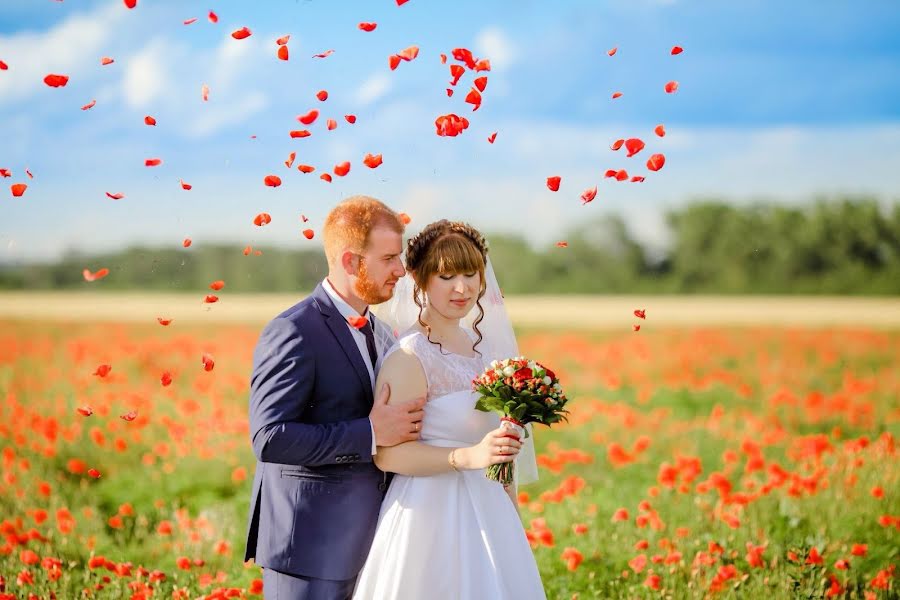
[454, 254]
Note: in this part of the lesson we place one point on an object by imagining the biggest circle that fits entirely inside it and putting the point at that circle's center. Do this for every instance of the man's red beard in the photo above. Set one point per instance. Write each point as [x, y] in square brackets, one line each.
[368, 289]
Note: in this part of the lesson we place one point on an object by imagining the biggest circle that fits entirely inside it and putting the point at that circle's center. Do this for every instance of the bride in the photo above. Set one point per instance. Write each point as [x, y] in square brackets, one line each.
[445, 530]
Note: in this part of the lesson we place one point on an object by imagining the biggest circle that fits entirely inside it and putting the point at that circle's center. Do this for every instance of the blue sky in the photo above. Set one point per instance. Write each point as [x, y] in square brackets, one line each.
[782, 101]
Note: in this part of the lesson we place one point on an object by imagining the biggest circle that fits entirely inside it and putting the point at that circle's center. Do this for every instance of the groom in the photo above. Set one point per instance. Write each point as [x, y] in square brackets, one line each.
[314, 419]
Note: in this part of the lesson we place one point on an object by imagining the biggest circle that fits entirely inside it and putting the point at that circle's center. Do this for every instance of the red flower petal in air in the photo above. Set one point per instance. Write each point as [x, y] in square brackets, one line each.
[303, 218]
[474, 98]
[637, 179]
[393, 61]
[152, 162]
[308, 233]
[617, 144]
[450, 125]
[464, 55]
[443, 58]
[553, 183]
[325, 54]
[481, 83]
[106, 61]
[248, 250]
[262, 219]
[282, 52]
[94, 472]
[100, 274]
[449, 92]
[30, 176]
[612, 51]
[350, 119]
[589, 194]
[56, 80]
[562, 244]
[367, 26]
[372, 160]
[3, 66]
[656, 162]
[322, 95]
[671, 87]
[148, 120]
[89, 105]
[404, 218]
[204, 92]
[241, 34]
[102, 370]
[331, 124]
[409, 54]
[210, 299]
[164, 322]
[190, 21]
[290, 161]
[129, 416]
[116, 196]
[401, 2]
[187, 242]
[85, 411]
[306, 168]
[185, 186]
[660, 130]
[213, 17]
[677, 50]
[616, 95]
[621, 175]
[357, 322]
[283, 40]
[640, 313]
[309, 118]
[341, 169]
[325, 177]
[456, 71]
[130, 3]
[634, 145]
[300, 133]
[483, 65]
[165, 379]
[492, 137]
[5, 173]
[217, 285]
[208, 363]
[18, 189]
[610, 173]
[635, 327]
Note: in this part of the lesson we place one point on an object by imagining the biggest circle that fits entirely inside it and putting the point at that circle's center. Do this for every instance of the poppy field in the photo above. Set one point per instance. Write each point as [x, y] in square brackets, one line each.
[698, 462]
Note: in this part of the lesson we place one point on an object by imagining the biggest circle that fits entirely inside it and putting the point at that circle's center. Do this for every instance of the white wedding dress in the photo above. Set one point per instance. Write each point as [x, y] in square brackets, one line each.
[453, 536]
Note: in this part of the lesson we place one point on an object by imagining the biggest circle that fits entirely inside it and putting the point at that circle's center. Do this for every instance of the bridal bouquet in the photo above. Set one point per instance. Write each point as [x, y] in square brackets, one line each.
[521, 391]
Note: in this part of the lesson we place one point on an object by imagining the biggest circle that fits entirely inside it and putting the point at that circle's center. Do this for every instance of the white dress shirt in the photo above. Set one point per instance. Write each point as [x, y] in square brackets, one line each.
[358, 336]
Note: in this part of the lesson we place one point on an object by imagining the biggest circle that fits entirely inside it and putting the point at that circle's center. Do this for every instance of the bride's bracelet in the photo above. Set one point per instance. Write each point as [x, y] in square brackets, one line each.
[452, 459]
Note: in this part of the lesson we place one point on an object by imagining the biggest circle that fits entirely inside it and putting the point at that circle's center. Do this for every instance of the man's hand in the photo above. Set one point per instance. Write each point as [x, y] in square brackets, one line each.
[396, 423]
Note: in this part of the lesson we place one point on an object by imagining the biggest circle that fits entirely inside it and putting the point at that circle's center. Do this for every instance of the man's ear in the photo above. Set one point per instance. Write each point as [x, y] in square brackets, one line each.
[350, 262]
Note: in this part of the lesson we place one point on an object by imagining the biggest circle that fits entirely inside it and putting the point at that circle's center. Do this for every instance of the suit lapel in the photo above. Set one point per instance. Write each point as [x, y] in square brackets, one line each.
[341, 332]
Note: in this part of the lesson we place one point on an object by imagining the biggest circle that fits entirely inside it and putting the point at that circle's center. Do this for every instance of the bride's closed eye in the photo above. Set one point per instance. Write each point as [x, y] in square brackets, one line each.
[449, 277]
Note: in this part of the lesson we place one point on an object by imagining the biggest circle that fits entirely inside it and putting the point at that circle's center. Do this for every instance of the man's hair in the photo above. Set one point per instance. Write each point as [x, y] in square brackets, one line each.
[348, 225]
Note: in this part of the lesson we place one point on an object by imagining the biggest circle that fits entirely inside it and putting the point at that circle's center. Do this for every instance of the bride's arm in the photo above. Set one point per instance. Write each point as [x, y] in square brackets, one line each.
[403, 371]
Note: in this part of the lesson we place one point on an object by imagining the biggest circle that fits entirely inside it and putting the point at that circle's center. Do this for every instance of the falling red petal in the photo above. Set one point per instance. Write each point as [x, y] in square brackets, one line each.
[553, 183]
[341, 169]
[106, 61]
[300, 133]
[89, 105]
[213, 17]
[325, 177]
[148, 120]
[640, 313]
[474, 98]
[272, 180]
[588, 195]
[262, 219]
[409, 54]
[481, 83]
[325, 54]
[449, 92]
[3, 66]
[617, 144]
[393, 61]
[616, 95]
[185, 186]
[187, 242]
[129, 416]
[635, 327]
[350, 119]
[656, 162]
[283, 40]
[367, 26]
[612, 51]
[116, 196]
[210, 299]
[204, 92]
[637, 179]
[492, 137]
[401, 2]
[309, 118]
[85, 411]
[283, 52]
[482, 65]
[241, 34]
[102, 370]
[152, 162]
[165, 379]
[634, 145]
[660, 130]
[18, 189]
[322, 95]
[94, 472]
[671, 87]
[56, 80]
[464, 55]
[405, 218]
[621, 175]
[562, 244]
[443, 58]
[677, 50]
[247, 250]
[217, 285]
[456, 71]
[208, 362]
[331, 124]
[130, 3]
[306, 168]
[5, 173]
[303, 218]
[30, 176]
[372, 160]
[190, 21]
[450, 125]
[100, 274]
[290, 161]
[164, 322]
[308, 233]
[610, 173]
[357, 322]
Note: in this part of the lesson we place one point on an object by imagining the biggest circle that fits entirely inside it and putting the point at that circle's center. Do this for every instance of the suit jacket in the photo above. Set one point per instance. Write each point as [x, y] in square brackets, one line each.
[316, 492]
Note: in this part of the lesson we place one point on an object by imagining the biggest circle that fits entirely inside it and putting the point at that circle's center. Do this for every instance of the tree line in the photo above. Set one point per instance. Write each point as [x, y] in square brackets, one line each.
[842, 246]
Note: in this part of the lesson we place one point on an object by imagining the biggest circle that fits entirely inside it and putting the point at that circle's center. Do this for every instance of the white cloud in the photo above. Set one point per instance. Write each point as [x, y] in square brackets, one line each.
[145, 76]
[493, 43]
[373, 89]
[213, 118]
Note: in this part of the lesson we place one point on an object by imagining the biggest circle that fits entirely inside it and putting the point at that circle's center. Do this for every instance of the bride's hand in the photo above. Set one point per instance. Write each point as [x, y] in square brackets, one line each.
[498, 446]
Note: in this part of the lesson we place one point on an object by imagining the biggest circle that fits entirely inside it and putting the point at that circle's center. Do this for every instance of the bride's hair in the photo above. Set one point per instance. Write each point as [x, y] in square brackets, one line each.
[447, 248]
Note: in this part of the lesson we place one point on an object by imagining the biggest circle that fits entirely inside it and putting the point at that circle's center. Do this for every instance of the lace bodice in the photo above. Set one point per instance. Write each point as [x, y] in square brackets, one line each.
[450, 414]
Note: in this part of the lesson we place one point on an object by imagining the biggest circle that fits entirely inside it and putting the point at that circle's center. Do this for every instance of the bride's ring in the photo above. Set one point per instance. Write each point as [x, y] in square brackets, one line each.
[503, 449]
[417, 427]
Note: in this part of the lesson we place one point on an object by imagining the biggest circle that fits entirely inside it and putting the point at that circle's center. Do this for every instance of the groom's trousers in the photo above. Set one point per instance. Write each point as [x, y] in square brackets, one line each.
[284, 586]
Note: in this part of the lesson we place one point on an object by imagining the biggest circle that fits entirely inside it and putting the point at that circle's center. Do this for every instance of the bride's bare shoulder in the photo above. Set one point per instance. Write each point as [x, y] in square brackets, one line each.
[403, 370]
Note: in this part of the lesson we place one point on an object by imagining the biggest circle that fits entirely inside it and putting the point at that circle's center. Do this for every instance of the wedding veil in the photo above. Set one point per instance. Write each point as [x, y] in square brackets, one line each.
[499, 341]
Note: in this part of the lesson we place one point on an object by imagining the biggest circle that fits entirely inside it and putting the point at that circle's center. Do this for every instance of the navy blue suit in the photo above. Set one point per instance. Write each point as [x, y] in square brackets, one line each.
[316, 493]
